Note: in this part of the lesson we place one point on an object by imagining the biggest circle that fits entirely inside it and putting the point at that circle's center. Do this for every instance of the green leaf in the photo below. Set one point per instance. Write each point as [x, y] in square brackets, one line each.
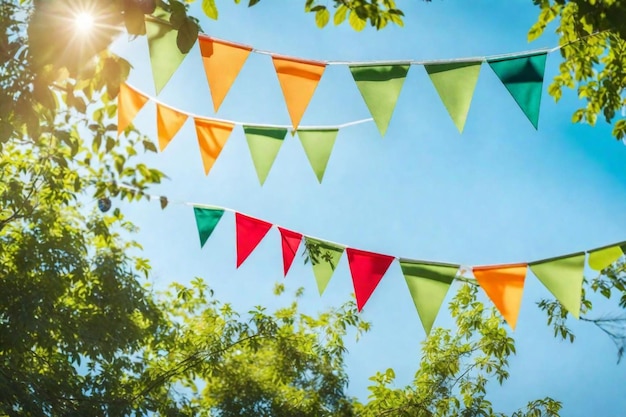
[187, 35]
[356, 22]
[340, 14]
[149, 146]
[134, 19]
[322, 17]
[253, 2]
[210, 9]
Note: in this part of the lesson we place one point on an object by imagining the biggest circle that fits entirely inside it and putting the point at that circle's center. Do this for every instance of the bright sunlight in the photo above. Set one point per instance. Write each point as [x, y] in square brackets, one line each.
[84, 22]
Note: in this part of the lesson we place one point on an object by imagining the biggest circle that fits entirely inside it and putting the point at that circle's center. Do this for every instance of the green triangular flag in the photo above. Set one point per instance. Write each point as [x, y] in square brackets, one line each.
[206, 220]
[563, 276]
[523, 77]
[264, 144]
[324, 258]
[318, 144]
[603, 257]
[380, 86]
[165, 57]
[428, 284]
[455, 83]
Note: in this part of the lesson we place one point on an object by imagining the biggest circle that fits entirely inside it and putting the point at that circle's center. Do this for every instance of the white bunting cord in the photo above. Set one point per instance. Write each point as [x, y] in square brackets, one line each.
[155, 197]
[238, 123]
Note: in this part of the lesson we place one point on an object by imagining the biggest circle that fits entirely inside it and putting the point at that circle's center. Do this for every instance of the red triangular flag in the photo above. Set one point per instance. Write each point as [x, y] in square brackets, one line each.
[250, 232]
[367, 269]
[290, 242]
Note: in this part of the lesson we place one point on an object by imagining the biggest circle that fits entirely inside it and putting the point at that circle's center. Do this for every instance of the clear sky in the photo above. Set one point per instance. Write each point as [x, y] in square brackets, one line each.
[501, 192]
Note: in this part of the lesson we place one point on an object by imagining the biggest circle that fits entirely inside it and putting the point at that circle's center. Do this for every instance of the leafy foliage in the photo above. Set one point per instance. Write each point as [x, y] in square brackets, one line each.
[592, 40]
[455, 369]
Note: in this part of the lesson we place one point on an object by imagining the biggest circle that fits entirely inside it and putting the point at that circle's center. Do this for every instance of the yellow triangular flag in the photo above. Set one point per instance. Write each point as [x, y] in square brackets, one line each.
[298, 80]
[169, 122]
[212, 136]
[129, 102]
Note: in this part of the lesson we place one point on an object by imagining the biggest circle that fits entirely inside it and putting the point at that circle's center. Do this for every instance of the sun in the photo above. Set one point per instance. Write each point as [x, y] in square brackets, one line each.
[84, 22]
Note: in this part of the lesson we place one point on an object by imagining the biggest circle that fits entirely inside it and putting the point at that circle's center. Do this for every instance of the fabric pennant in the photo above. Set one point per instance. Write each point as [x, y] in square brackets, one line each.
[264, 144]
[455, 84]
[290, 242]
[206, 220]
[428, 284]
[380, 86]
[318, 144]
[603, 257]
[169, 122]
[298, 80]
[523, 77]
[563, 276]
[250, 232]
[367, 269]
[165, 57]
[129, 102]
[504, 285]
[324, 257]
[222, 62]
[212, 136]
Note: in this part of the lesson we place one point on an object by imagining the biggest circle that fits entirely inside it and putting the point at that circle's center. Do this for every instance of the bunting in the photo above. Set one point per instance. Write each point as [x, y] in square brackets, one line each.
[603, 257]
[324, 257]
[367, 269]
[298, 79]
[264, 144]
[165, 57]
[380, 86]
[129, 102]
[523, 77]
[169, 122]
[428, 284]
[504, 285]
[563, 276]
[206, 221]
[222, 62]
[250, 232]
[212, 136]
[290, 241]
[318, 145]
[455, 84]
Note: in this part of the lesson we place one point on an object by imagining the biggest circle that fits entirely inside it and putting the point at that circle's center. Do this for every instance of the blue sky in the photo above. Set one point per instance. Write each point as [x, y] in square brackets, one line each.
[501, 192]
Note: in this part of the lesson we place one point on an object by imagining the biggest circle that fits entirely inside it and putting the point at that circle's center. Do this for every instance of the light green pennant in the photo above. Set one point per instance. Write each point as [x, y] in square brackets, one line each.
[523, 77]
[455, 83]
[264, 144]
[603, 257]
[428, 284]
[318, 144]
[324, 258]
[380, 86]
[165, 57]
[563, 276]
[206, 220]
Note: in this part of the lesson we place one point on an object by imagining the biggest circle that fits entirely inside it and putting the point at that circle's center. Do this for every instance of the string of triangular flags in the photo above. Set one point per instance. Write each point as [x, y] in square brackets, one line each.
[379, 82]
[428, 282]
[264, 141]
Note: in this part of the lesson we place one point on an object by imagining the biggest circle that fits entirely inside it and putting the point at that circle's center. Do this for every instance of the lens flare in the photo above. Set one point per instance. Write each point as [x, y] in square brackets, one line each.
[84, 22]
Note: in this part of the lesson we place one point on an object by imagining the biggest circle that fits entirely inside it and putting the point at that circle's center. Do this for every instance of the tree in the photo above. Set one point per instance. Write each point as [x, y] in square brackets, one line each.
[592, 43]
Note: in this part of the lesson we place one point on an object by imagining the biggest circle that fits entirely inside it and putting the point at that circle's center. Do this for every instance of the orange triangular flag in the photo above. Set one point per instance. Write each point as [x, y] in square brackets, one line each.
[298, 80]
[504, 284]
[222, 63]
[129, 102]
[212, 136]
[169, 122]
